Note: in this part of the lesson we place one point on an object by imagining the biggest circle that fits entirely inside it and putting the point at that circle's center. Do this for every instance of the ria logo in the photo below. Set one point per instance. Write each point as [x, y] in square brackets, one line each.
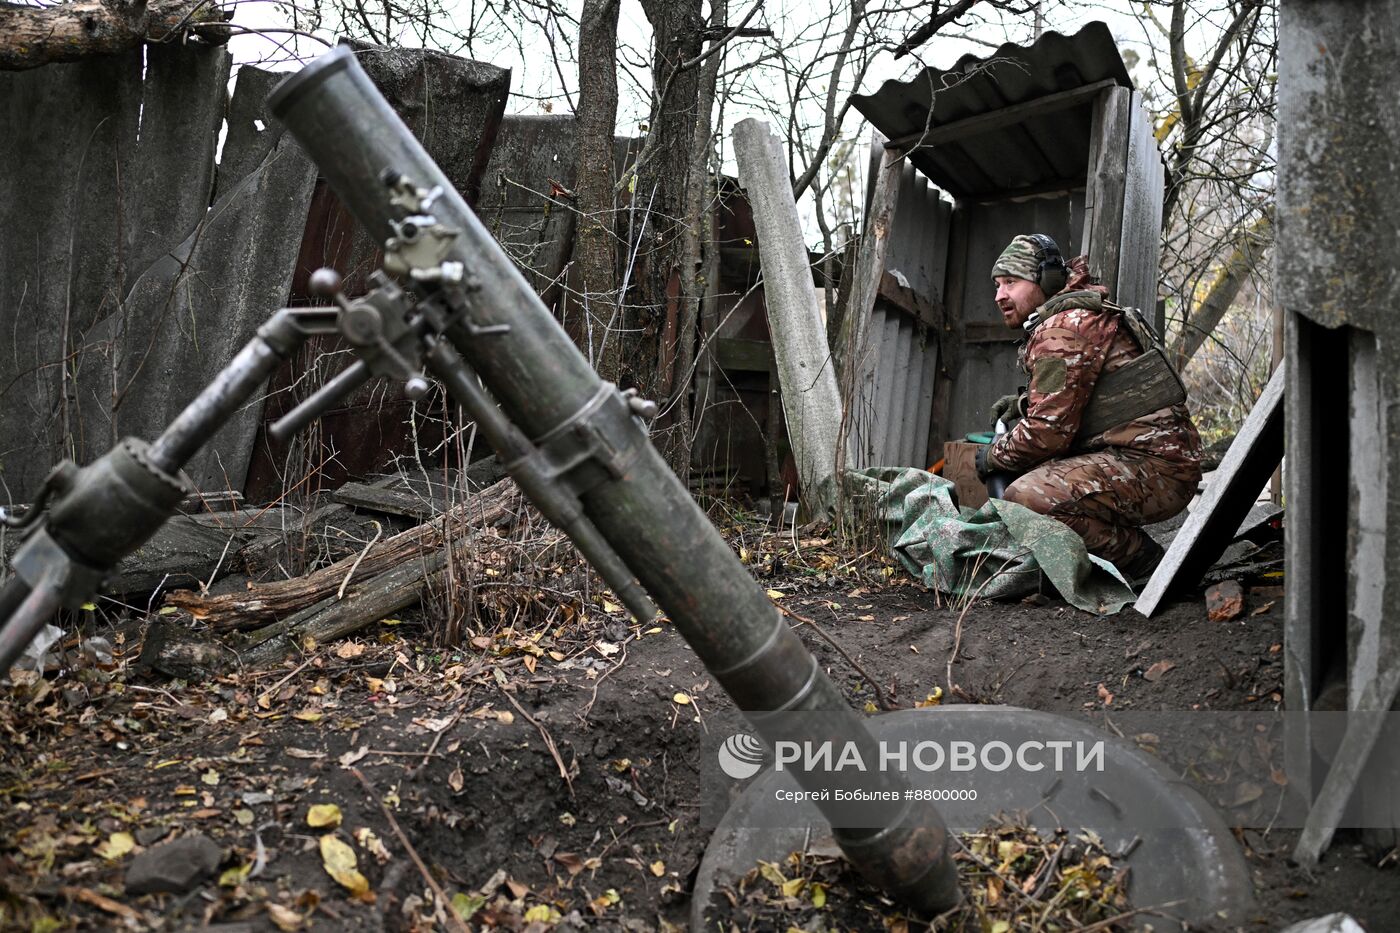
[741, 756]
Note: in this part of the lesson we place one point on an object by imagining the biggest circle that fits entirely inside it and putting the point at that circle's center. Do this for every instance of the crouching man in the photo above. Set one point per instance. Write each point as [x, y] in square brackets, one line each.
[1102, 439]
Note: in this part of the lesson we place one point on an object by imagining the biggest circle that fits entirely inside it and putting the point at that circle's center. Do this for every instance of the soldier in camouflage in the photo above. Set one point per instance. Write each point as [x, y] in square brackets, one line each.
[1107, 485]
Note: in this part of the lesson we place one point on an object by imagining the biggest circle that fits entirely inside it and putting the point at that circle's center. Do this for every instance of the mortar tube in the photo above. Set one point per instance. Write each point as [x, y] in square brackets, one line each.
[540, 380]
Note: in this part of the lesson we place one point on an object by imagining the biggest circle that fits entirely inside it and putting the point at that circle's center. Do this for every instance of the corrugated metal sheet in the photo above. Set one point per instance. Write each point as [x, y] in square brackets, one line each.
[1035, 152]
[892, 416]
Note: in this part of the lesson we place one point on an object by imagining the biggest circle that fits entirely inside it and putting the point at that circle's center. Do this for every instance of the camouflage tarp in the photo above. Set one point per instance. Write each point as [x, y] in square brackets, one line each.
[997, 551]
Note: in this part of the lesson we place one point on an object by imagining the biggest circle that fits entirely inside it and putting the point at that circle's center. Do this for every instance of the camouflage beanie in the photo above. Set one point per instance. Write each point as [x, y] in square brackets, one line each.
[1018, 260]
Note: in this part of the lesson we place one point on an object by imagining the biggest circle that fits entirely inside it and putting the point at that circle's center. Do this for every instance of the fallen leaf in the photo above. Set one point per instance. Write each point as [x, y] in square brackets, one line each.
[244, 817]
[1247, 792]
[339, 861]
[607, 649]
[464, 905]
[1105, 695]
[794, 887]
[206, 813]
[866, 618]
[323, 815]
[1155, 672]
[233, 877]
[658, 868]
[455, 779]
[284, 917]
[776, 594]
[682, 698]
[307, 715]
[350, 649]
[530, 664]
[505, 717]
[349, 758]
[541, 913]
[817, 893]
[210, 777]
[571, 862]
[117, 845]
[517, 890]
[609, 606]
[372, 844]
[303, 753]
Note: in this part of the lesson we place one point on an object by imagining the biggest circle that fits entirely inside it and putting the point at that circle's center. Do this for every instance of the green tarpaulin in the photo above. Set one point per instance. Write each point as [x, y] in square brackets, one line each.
[999, 550]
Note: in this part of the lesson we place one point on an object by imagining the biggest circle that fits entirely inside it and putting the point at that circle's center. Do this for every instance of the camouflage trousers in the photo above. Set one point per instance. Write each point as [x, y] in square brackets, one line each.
[1106, 497]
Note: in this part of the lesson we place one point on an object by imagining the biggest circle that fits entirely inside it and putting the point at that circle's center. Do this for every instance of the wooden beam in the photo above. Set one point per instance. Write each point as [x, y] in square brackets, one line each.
[997, 119]
[1053, 186]
[928, 310]
[991, 333]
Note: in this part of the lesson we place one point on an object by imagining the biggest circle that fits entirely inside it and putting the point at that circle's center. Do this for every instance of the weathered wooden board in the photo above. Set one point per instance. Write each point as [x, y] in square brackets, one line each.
[1140, 246]
[1106, 184]
[1228, 496]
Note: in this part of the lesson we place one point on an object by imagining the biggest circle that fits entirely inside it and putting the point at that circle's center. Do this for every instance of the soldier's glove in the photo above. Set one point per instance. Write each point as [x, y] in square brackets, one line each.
[980, 462]
[1007, 409]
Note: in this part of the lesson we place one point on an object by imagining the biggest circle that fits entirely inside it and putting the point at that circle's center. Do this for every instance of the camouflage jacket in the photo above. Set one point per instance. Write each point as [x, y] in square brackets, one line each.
[1064, 357]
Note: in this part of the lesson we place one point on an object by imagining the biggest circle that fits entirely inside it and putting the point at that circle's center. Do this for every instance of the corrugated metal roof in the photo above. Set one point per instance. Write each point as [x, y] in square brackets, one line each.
[1043, 149]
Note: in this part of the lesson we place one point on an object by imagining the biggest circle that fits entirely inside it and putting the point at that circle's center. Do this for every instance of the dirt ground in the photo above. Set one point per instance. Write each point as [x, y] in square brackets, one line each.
[543, 779]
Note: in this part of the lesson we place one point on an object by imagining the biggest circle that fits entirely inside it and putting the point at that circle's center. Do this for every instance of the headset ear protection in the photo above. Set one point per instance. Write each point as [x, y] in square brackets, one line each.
[1051, 274]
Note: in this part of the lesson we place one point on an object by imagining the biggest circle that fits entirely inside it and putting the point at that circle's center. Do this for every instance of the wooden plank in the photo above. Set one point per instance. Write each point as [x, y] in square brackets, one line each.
[1211, 527]
[951, 339]
[1105, 185]
[1140, 245]
[389, 501]
[928, 310]
[854, 358]
[992, 333]
[1006, 116]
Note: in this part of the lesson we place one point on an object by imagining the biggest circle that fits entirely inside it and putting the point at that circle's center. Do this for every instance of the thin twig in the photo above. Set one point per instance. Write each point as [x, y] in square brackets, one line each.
[548, 740]
[874, 684]
[452, 916]
[277, 686]
[378, 533]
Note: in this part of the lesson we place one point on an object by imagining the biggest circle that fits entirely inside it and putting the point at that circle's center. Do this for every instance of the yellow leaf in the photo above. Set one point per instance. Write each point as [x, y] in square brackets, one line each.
[166, 611]
[658, 868]
[656, 630]
[818, 894]
[117, 845]
[771, 873]
[682, 698]
[870, 707]
[90, 607]
[210, 777]
[609, 606]
[794, 887]
[323, 815]
[541, 913]
[233, 877]
[307, 715]
[744, 555]
[339, 861]
[776, 594]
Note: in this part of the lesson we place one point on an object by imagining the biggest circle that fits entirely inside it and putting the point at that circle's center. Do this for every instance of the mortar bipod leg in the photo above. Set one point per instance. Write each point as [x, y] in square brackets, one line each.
[548, 490]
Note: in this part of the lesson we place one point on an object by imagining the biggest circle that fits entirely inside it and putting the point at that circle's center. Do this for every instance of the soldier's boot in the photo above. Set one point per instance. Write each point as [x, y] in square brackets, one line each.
[1138, 567]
